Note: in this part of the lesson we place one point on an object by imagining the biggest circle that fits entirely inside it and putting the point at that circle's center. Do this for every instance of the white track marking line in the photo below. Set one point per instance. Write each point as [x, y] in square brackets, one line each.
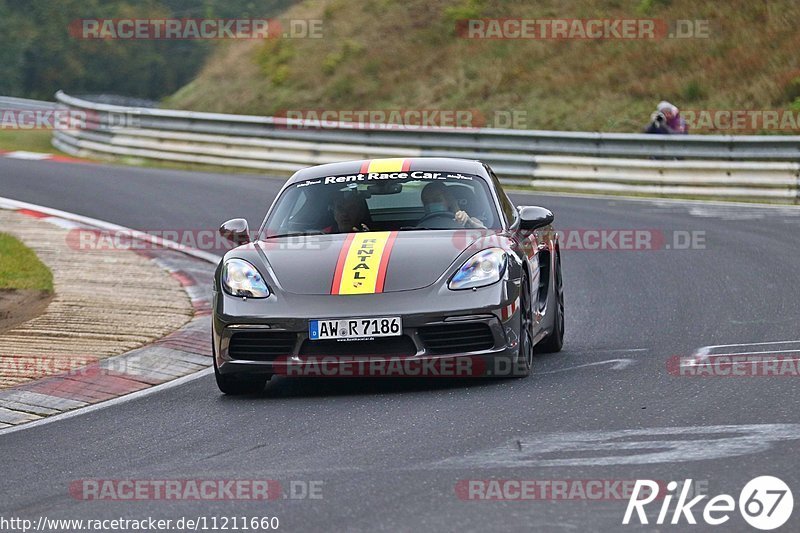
[748, 353]
[704, 352]
[655, 445]
[32, 156]
[689, 364]
[8, 203]
[618, 364]
[102, 224]
[109, 403]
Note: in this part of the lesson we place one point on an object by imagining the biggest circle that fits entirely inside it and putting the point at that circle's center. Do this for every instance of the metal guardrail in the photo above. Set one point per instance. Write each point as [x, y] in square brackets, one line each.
[24, 104]
[695, 165]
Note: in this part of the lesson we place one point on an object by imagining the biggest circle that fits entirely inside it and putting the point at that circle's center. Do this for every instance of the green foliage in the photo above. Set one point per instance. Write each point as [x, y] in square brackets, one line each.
[693, 91]
[20, 268]
[792, 90]
[348, 49]
[280, 75]
[29, 140]
[646, 7]
[342, 88]
[39, 55]
[463, 10]
[273, 58]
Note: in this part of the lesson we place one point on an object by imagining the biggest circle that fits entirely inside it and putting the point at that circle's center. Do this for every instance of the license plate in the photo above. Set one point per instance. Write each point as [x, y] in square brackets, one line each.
[355, 328]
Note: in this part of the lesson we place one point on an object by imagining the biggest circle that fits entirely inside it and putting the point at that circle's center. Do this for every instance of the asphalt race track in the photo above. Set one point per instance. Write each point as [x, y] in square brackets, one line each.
[390, 453]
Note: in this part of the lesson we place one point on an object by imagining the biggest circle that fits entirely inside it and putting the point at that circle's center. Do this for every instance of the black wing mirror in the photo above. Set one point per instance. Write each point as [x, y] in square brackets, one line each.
[534, 217]
[236, 230]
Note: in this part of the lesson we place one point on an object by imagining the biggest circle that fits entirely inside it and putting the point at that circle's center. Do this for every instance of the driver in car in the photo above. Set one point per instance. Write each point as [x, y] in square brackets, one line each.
[437, 199]
[350, 212]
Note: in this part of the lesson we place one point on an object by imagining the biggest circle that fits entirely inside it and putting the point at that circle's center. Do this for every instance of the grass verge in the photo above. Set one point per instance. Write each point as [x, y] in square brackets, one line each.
[28, 140]
[20, 268]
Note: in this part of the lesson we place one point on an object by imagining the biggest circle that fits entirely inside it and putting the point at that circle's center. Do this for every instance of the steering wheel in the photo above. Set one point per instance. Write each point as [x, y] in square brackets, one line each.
[448, 215]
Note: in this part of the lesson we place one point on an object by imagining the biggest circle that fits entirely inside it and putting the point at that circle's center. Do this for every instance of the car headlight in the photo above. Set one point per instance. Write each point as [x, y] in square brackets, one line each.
[484, 268]
[240, 278]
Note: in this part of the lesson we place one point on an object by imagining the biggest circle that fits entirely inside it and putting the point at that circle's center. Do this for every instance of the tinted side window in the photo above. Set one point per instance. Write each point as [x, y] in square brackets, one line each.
[509, 211]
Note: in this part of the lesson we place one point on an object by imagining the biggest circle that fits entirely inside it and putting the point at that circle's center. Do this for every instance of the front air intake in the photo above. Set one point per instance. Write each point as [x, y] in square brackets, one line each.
[261, 345]
[457, 337]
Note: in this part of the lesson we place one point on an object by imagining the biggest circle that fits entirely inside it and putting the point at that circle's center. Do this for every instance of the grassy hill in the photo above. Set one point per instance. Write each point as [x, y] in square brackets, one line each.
[406, 54]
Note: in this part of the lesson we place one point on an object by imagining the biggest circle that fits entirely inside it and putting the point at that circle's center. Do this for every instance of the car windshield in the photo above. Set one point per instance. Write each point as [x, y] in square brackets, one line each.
[387, 202]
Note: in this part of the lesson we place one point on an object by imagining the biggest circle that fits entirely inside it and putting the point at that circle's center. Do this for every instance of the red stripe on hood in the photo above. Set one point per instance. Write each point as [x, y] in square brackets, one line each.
[387, 251]
[337, 276]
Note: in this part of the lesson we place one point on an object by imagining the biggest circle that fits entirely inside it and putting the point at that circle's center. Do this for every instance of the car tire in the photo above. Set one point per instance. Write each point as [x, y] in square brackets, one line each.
[525, 354]
[555, 340]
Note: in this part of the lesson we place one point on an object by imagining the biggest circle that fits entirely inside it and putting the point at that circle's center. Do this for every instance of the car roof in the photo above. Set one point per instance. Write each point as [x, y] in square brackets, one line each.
[409, 164]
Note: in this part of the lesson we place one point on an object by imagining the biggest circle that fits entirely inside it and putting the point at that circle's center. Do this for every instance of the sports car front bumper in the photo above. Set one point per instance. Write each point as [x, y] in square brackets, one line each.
[459, 333]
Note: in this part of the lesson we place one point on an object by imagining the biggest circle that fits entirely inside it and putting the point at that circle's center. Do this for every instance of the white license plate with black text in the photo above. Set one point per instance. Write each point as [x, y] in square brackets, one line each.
[354, 328]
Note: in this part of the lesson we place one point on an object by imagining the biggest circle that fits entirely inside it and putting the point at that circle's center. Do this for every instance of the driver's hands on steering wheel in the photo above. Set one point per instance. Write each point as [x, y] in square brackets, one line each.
[461, 217]
[362, 228]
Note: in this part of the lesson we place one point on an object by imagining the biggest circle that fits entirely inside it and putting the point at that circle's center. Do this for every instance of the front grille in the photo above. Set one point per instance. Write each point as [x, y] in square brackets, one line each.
[401, 346]
[457, 337]
[261, 345]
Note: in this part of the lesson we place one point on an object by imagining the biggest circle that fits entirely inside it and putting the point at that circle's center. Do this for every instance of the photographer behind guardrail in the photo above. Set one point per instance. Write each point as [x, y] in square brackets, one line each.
[667, 120]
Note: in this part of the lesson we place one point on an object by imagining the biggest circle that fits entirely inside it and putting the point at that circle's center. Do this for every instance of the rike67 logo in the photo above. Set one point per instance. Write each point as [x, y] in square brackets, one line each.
[765, 503]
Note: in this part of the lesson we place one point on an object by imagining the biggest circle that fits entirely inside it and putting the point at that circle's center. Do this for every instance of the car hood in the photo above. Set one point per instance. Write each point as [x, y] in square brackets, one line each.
[413, 260]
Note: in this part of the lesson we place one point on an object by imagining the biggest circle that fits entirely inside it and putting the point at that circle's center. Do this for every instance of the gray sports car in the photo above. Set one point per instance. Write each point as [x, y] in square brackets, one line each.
[388, 267]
